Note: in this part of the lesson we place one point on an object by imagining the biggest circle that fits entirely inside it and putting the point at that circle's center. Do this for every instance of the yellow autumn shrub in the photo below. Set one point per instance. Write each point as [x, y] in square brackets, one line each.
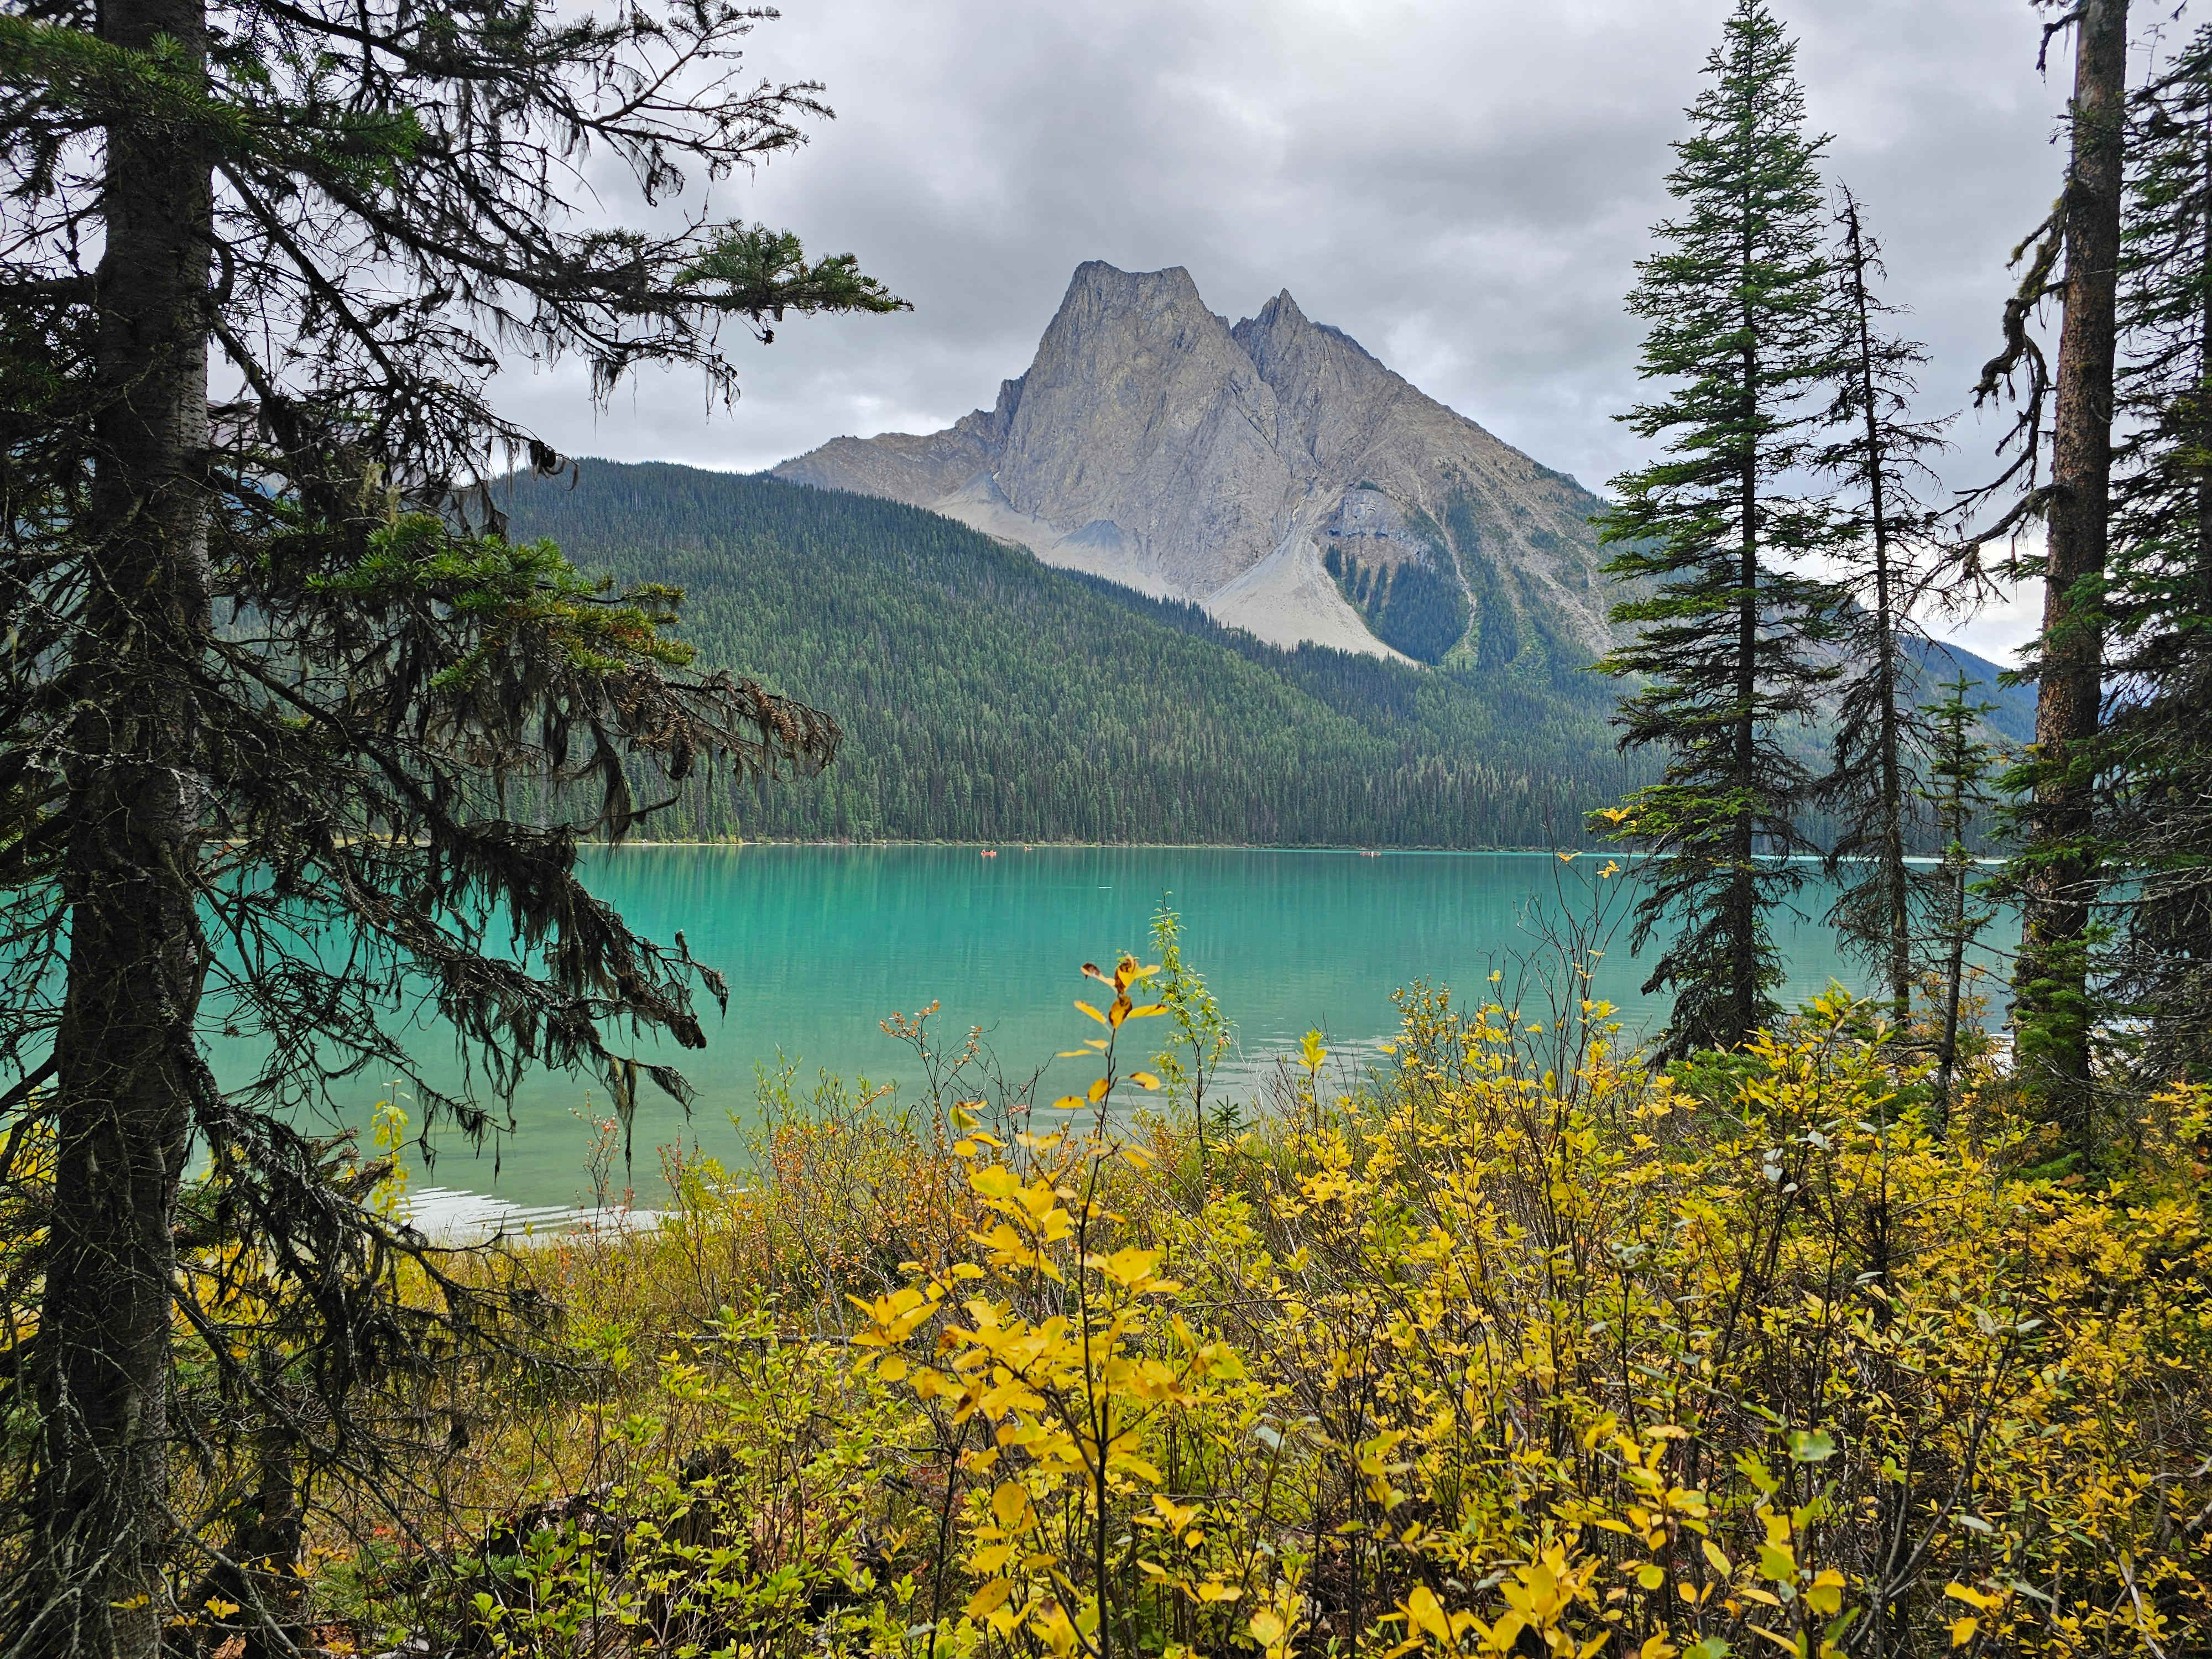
[1488, 1357]
[1504, 1345]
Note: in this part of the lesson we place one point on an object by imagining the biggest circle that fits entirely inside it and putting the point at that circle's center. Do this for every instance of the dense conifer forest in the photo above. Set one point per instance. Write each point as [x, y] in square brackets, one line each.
[984, 696]
[1409, 606]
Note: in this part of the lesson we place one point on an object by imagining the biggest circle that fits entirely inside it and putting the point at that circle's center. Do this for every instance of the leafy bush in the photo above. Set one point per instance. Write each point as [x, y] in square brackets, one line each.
[1508, 1345]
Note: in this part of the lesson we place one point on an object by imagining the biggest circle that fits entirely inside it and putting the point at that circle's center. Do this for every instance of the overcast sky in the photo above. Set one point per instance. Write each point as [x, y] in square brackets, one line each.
[1463, 186]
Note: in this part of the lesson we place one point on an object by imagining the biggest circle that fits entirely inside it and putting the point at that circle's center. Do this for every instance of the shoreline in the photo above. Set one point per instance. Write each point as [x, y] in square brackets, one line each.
[636, 843]
[734, 842]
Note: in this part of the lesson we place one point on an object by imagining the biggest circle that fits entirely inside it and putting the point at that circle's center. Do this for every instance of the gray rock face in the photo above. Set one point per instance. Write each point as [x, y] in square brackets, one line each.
[1151, 443]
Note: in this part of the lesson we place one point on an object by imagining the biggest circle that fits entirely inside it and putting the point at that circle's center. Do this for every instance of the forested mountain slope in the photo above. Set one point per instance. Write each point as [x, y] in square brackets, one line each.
[987, 697]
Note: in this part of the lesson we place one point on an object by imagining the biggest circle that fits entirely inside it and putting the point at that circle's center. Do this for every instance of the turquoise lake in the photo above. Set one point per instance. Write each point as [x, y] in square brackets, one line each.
[820, 944]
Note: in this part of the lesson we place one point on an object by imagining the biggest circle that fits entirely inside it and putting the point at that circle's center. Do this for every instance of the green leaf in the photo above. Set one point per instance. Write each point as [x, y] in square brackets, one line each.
[1811, 1445]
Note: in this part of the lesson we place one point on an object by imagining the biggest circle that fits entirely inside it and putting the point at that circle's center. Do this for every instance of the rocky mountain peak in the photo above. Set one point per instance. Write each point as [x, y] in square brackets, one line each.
[1153, 443]
[1136, 388]
[1328, 386]
[1093, 279]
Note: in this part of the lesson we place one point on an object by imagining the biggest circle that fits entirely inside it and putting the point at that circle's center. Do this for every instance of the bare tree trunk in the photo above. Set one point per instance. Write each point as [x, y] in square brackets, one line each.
[1954, 991]
[264, 1547]
[2202, 596]
[1743, 896]
[2051, 1015]
[1896, 897]
[128, 1067]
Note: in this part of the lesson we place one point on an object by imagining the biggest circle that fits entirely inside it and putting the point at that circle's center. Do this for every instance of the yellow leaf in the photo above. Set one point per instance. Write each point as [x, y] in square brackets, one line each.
[1144, 1079]
[1214, 1590]
[1128, 1267]
[1962, 1631]
[1423, 1612]
[1091, 1011]
[1177, 1516]
[1650, 1575]
[1715, 1560]
[1058, 1633]
[989, 1597]
[1267, 1627]
[893, 1369]
[1098, 1090]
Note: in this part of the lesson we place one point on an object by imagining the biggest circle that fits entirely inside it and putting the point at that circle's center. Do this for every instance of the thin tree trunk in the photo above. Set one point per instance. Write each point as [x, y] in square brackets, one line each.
[265, 1545]
[1743, 944]
[2051, 1019]
[2203, 394]
[128, 1069]
[1955, 986]
[1897, 915]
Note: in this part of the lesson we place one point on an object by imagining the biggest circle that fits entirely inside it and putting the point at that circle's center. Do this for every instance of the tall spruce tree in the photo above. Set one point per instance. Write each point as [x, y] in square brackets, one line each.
[2156, 753]
[268, 666]
[1740, 308]
[1875, 455]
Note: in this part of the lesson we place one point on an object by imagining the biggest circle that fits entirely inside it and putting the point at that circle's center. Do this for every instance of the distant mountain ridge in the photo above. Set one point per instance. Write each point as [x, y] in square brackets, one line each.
[1272, 470]
[986, 696]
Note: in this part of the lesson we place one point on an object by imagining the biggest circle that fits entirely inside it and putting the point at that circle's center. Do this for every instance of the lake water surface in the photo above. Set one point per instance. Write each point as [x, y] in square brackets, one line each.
[821, 943]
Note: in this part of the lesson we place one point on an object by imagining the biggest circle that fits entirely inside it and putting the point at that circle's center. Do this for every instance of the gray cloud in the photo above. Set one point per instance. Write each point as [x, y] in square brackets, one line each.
[1464, 187]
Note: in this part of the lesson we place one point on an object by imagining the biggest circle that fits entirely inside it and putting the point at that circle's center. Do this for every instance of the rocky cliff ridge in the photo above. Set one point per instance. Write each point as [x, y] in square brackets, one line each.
[1272, 470]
